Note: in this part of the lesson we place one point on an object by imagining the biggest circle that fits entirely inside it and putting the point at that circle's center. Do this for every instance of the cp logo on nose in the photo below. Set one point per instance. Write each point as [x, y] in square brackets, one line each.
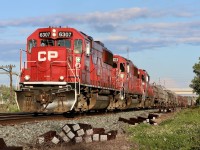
[43, 55]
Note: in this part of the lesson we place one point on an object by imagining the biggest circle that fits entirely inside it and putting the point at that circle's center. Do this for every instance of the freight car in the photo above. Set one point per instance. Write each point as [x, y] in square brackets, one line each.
[67, 70]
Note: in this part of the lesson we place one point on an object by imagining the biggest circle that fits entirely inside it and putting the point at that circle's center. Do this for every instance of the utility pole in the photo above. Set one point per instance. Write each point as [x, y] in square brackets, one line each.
[8, 70]
[11, 81]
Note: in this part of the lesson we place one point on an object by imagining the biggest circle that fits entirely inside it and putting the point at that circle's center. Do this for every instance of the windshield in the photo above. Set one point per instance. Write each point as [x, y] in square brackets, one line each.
[64, 42]
[47, 42]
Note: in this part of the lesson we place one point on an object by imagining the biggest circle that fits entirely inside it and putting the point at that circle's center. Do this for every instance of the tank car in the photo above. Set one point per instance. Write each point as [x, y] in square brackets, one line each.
[172, 100]
[160, 96]
[191, 100]
[182, 101]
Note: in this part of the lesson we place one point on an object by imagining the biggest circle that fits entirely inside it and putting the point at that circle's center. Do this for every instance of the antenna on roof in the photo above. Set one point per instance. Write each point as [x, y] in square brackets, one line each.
[127, 50]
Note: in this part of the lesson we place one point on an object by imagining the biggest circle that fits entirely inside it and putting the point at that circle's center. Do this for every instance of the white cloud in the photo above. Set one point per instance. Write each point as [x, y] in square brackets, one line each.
[110, 17]
[116, 38]
[116, 28]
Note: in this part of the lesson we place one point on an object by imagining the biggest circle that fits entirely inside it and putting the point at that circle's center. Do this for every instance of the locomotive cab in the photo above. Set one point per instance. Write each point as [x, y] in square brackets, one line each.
[51, 76]
[147, 95]
[126, 80]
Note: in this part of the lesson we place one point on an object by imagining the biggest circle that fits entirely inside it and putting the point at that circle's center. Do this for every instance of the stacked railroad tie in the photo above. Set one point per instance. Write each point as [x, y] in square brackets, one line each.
[150, 118]
[77, 133]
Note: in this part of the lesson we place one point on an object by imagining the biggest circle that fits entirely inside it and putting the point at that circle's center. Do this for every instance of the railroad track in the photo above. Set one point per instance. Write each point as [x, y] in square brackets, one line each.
[14, 118]
[21, 117]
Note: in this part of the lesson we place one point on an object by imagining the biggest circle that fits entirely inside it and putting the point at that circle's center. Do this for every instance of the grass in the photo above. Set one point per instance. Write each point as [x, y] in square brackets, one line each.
[180, 133]
[8, 108]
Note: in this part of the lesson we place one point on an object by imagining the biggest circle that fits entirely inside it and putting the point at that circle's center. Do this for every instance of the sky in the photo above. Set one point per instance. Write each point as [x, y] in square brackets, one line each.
[160, 36]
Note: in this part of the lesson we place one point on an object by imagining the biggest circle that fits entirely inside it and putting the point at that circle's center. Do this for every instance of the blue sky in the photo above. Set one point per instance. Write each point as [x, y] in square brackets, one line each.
[162, 36]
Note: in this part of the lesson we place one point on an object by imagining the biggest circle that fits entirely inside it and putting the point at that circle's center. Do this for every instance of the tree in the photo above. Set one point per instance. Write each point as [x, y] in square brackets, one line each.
[195, 83]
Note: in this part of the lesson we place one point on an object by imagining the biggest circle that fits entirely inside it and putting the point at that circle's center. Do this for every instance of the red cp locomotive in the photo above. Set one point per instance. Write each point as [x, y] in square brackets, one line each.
[66, 70]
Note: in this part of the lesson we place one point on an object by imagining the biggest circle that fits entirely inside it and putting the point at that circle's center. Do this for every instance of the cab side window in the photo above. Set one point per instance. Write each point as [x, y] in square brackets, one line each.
[31, 43]
[114, 65]
[122, 68]
[78, 46]
[143, 78]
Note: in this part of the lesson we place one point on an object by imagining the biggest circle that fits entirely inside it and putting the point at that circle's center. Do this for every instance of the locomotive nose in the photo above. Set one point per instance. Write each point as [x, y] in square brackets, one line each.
[48, 64]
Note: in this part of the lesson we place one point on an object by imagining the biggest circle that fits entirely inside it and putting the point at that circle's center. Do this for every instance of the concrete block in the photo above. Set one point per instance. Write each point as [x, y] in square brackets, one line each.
[95, 137]
[78, 139]
[64, 137]
[80, 132]
[89, 132]
[103, 137]
[62, 134]
[55, 140]
[70, 134]
[76, 127]
[88, 139]
[66, 128]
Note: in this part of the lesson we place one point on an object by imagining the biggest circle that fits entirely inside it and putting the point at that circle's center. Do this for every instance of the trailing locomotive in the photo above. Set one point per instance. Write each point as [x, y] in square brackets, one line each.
[67, 70]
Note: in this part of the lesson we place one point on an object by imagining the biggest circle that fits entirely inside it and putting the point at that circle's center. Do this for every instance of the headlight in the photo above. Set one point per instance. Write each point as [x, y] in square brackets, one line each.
[27, 77]
[122, 76]
[54, 32]
[62, 78]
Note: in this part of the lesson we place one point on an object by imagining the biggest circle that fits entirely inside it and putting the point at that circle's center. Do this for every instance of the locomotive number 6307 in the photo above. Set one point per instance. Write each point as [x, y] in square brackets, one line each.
[44, 34]
[64, 34]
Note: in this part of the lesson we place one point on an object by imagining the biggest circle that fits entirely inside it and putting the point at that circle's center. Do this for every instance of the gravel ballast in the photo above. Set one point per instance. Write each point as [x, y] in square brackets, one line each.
[25, 134]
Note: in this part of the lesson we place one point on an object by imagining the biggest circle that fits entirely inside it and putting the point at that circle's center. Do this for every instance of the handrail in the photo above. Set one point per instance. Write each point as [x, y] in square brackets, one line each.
[76, 77]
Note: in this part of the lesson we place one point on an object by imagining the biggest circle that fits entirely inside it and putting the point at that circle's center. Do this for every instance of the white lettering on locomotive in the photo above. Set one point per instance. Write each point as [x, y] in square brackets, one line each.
[43, 55]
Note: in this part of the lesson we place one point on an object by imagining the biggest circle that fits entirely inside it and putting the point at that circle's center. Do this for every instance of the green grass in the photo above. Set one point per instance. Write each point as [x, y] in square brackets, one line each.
[180, 133]
[8, 108]
[13, 108]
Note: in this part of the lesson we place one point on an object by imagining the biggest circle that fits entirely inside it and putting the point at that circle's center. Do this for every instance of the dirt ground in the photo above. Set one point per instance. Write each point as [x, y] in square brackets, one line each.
[120, 143]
